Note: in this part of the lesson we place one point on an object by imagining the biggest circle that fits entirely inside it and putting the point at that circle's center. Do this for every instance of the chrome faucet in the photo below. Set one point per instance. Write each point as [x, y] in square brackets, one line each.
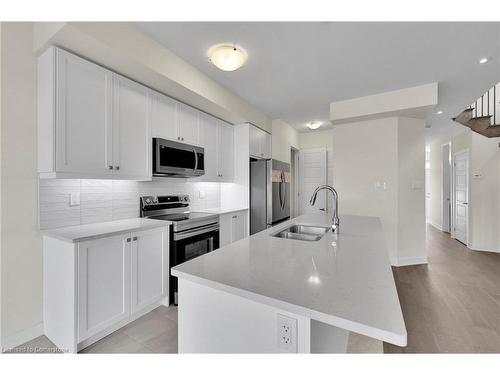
[335, 218]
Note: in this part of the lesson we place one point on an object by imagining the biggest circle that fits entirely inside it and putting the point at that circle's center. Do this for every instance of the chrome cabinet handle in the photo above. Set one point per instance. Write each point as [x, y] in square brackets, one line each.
[110, 167]
[234, 217]
[134, 239]
[117, 167]
[128, 239]
[178, 138]
[182, 139]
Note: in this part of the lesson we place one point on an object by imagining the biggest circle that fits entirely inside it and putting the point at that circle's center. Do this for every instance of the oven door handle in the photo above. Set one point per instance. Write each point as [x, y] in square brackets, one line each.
[195, 232]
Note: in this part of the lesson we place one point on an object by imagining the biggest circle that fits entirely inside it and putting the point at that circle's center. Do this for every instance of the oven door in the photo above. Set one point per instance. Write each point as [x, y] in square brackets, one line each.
[177, 159]
[190, 244]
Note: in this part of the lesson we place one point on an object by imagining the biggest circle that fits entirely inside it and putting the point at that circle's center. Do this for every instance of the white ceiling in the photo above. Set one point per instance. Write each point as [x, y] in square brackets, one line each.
[296, 69]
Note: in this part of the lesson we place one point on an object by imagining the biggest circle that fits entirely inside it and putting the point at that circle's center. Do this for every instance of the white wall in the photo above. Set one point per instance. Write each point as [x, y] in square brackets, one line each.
[388, 151]
[484, 193]
[411, 190]
[316, 139]
[284, 137]
[21, 242]
[366, 153]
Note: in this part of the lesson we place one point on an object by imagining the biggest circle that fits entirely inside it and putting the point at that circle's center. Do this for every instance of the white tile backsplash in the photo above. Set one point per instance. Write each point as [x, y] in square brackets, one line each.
[105, 200]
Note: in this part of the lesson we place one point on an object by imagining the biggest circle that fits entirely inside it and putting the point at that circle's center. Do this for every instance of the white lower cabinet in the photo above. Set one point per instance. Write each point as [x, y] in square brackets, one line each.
[233, 227]
[149, 281]
[103, 284]
[92, 288]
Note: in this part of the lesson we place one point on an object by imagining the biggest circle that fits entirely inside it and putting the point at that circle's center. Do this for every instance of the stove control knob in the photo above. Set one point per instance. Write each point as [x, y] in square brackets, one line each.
[148, 201]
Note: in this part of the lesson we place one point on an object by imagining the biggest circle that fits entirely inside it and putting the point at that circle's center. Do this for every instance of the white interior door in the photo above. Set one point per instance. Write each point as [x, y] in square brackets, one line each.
[461, 195]
[312, 173]
[446, 189]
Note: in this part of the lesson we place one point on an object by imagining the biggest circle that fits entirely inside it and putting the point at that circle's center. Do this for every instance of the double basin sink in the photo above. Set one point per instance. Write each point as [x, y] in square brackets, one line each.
[302, 232]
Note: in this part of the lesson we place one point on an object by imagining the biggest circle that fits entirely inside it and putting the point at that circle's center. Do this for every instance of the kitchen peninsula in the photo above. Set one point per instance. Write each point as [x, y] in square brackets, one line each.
[270, 294]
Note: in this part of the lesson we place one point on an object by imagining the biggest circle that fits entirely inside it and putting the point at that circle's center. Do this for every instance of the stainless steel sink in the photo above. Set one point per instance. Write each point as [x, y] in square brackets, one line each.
[302, 232]
[308, 229]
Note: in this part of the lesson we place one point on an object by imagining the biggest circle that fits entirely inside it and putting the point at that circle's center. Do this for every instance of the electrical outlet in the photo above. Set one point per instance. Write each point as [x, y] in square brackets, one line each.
[74, 199]
[286, 333]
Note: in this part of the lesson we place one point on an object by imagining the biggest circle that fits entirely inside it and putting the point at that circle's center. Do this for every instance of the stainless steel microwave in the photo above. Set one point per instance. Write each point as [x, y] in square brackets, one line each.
[175, 159]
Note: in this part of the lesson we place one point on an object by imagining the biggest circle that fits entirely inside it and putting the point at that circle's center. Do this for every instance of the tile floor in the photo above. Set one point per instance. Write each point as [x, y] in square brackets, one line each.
[156, 332]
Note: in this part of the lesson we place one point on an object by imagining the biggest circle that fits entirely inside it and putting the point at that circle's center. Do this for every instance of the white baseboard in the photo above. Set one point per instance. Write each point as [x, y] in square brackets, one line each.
[411, 261]
[479, 248]
[437, 226]
[21, 337]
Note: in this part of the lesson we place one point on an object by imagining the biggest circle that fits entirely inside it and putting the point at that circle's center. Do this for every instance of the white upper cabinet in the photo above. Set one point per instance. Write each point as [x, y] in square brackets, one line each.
[255, 141]
[209, 141]
[131, 129]
[189, 127]
[83, 114]
[164, 122]
[260, 143]
[175, 121]
[267, 146]
[92, 123]
[226, 152]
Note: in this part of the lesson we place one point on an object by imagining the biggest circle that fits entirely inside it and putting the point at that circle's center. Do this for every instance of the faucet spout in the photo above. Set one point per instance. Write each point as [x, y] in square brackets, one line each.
[335, 218]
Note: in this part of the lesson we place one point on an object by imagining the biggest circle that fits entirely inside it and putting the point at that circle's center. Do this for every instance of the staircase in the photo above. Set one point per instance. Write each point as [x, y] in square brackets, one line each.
[483, 116]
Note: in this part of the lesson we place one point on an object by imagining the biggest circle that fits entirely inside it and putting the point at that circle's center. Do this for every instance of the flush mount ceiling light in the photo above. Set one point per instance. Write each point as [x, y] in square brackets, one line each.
[483, 60]
[227, 57]
[439, 112]
[313, 125]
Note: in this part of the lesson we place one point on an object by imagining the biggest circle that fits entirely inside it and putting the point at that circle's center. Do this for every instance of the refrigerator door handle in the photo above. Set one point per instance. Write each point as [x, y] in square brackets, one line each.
[282, 191]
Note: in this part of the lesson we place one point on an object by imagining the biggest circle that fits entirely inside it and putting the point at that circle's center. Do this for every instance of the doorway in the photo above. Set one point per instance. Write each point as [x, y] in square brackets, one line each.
[446, 187]
[461, 196]
[313, 172]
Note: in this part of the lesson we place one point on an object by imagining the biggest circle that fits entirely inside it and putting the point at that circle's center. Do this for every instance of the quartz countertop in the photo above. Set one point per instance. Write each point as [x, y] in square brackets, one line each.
[343, 279]
[87, 232]
[221, 211]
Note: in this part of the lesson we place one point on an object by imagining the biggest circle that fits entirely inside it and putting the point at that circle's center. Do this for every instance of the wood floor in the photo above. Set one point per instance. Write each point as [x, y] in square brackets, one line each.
[451, 305]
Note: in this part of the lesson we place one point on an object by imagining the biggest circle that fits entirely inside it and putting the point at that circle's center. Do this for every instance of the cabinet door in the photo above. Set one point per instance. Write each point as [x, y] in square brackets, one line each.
[266, 145]
[103, 284]
[255, 141]
[226, 152]
[238, 226]
[83, 116]
[208, 137]
[131, 129]
[188, 125]
[164, 122]
[149, 260]
[225, 229]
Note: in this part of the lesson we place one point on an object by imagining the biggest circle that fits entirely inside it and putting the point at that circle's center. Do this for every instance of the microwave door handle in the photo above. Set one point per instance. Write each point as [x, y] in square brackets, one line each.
[195, 160]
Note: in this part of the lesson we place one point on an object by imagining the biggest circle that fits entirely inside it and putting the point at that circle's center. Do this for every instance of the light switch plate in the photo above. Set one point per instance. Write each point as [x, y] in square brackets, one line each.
[74, 199]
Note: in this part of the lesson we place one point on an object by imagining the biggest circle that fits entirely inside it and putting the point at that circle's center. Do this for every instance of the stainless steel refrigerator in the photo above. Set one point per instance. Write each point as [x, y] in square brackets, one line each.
[269, 193]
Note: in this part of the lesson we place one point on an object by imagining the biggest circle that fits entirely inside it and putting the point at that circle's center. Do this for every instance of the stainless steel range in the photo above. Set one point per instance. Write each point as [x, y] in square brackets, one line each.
[191, 234]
